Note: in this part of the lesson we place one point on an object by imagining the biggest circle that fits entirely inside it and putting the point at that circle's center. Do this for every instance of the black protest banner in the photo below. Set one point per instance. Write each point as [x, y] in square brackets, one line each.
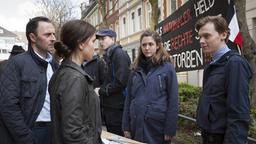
[179, 35]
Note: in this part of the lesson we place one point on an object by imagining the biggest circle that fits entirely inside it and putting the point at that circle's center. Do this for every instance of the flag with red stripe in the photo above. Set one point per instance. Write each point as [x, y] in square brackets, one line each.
[235, 34]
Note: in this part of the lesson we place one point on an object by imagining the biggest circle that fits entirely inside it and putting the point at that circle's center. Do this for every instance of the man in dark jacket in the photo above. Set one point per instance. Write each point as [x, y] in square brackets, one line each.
[116, 74]
[24, 99]
[95, 68]
[223, 109]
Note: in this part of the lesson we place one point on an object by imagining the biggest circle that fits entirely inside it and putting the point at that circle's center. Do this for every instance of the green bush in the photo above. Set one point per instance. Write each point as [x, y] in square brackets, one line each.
[188, 99]
[187, 91]
[252, 130]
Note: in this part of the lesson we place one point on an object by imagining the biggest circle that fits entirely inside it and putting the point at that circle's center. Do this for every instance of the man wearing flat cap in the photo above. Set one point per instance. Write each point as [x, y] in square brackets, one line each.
[15, 50]
[116, 72]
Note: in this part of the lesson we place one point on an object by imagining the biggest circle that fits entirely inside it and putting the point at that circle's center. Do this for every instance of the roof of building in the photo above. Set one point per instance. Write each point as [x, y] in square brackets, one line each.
[5, 33]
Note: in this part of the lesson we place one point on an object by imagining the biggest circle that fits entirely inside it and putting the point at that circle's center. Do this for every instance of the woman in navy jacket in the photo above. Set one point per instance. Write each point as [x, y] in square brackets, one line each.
[151, 107]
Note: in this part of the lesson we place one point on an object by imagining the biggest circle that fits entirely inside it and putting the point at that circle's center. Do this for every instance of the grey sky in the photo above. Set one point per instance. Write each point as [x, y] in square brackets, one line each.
[14, 14]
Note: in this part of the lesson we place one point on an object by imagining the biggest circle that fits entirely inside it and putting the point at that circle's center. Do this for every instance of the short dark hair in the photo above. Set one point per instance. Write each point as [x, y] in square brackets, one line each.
[72, 34]
[219, 23]
[33, 24]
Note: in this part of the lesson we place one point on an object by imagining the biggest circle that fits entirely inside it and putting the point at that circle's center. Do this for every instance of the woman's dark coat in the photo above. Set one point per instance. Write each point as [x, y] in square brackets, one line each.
[75, 109]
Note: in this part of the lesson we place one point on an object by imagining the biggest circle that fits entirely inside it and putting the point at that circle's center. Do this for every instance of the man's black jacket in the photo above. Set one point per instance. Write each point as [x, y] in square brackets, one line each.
[22, 93]
[116, 73]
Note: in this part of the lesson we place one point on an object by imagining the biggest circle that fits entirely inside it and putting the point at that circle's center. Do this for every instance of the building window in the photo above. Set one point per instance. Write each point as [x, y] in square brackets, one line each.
[10, 41]
[124, 20]
[139, 25]
[94, 19]
[121, 2]
[139, 12]
[4, 51]
[179, 3]
[133, 54]
[111, 27]
[172, 6]
[149, 13]
[123, 30]
[254, 29]
[185, 1]
[133, 22]
[161, 8]
[117, 30]
[110, 7]
[101, 17]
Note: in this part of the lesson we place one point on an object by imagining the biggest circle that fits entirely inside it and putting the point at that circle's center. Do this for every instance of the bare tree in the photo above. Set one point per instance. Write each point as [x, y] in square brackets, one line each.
[104, 11]
[249, 47]
[58, 11]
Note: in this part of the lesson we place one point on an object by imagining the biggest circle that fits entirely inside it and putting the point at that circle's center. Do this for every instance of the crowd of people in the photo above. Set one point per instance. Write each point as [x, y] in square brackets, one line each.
[60, 91]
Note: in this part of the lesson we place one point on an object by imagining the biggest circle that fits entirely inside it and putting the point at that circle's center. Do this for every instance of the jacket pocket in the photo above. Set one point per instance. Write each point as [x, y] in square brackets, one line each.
[203, 113]
[155, 121]
[155, 114]
[217, 112]
[28, 94]
[162, 84]
[28, 86]
[211, 115]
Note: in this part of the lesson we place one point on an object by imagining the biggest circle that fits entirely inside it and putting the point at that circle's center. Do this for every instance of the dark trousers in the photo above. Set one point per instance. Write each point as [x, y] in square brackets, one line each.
[42, 133]
[113, 120]
[210, 138]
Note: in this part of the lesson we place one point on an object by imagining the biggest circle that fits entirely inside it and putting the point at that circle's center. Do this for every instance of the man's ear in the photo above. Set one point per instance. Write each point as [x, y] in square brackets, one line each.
[114, 39]
[32, 37]
[224, 35]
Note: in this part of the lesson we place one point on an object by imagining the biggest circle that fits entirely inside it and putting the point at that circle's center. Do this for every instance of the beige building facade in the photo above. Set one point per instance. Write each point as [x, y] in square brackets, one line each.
[129, 18]
[251, 17]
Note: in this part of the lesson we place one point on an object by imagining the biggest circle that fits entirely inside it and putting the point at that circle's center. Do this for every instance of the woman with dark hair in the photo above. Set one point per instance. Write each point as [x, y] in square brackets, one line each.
[151, 107]
[75, 109]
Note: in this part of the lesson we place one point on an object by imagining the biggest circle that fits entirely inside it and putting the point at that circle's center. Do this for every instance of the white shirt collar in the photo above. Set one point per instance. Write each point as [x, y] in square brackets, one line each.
[48, 56]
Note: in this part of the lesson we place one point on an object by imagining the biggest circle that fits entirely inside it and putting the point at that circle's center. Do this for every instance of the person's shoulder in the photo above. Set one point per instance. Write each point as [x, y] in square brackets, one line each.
[118, 49]
[234, 56]
[121, 53]
[236, 60]
[69, 73]
[167, 65]
[21, 57]
[17, 63]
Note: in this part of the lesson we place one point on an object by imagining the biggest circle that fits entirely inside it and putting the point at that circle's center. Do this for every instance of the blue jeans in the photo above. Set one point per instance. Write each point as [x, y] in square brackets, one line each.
[42, 134]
